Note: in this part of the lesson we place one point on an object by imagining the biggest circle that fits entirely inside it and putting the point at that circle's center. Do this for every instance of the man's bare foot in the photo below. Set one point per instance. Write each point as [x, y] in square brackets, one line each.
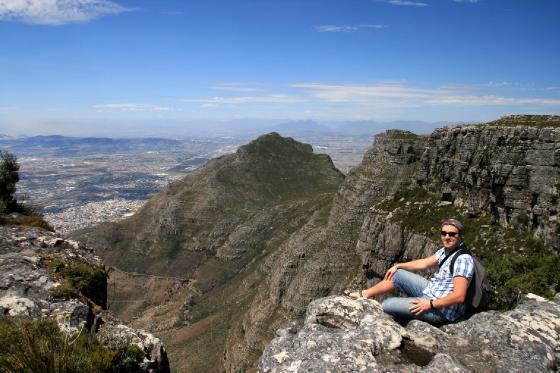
[352, 294]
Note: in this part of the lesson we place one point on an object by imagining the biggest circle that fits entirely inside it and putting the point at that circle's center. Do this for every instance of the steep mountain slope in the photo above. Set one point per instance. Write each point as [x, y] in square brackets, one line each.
[218, 216]
[247, 250]
[198, 236]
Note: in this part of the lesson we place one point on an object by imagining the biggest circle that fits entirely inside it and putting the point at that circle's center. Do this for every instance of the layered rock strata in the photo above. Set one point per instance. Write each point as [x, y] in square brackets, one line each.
[511, 172]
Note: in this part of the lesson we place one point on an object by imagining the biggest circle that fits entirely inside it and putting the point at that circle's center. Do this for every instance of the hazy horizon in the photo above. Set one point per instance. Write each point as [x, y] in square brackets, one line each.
[208, 128]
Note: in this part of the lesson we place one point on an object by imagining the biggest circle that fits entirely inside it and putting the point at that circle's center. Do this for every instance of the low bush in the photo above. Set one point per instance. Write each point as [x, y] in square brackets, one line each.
[91, 281]
[64, 292]
[27, 220]
[525, 266]
[39, 346]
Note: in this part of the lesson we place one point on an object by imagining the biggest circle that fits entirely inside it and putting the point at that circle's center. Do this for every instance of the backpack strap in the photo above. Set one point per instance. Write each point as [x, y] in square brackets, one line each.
[459, 247]
[461, 251]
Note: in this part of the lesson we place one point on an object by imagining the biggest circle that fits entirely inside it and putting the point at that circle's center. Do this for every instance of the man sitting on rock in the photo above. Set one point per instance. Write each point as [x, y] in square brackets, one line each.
[438, 300]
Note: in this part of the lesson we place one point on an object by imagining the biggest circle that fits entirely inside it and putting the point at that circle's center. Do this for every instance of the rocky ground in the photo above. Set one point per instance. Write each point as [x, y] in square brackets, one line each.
[341, 334]
[31, 288]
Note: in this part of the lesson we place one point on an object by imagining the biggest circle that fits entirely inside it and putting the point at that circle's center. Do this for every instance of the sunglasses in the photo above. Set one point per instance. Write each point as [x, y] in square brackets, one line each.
[450, 234]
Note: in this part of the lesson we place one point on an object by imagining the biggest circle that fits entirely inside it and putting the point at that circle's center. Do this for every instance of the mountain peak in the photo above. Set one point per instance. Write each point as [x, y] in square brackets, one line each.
[273, 144]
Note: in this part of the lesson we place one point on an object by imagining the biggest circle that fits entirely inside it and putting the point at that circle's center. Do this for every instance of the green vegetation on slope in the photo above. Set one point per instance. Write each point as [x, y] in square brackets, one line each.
[516, 262]
[39, 346]
[220, 312]
[90, 281]
[403, 135]
[538, 121]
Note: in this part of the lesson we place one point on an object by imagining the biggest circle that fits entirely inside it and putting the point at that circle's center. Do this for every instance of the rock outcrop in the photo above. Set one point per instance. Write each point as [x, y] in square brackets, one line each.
[340, 334]
[31, 288]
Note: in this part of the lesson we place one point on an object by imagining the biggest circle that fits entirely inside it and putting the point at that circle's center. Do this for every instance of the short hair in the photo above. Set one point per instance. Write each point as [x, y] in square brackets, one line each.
[455, 223]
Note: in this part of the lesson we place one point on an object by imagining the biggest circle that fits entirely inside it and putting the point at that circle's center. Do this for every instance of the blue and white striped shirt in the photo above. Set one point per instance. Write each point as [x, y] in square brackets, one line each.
[441, 284]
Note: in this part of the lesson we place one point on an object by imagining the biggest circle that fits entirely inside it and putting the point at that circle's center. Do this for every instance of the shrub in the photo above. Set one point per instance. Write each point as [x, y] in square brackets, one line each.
[89, 280]
[9, 176]
[28, 220]
[39, 346]
[64, 292]
[531, 268]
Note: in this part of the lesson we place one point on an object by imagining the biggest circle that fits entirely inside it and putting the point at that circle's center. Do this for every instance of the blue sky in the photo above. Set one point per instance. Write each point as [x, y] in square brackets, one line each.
[70, 63]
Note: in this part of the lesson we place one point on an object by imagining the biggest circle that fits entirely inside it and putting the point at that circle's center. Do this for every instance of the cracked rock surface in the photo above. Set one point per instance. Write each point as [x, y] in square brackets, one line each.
[341, 334]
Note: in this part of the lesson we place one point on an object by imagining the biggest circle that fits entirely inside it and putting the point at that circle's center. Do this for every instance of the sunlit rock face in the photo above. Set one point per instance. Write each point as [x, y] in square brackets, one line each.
[509, 168]
[340, 334]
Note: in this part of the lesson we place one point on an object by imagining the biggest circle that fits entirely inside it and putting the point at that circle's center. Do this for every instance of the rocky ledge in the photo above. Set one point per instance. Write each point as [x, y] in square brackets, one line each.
[32, 287]
[340, 334]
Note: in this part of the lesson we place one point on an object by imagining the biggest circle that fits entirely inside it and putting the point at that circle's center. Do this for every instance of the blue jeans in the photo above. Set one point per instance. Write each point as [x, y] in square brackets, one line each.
[412, 285]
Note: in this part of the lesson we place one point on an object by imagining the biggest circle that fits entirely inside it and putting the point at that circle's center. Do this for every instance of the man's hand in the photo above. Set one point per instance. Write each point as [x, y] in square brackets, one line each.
[420, 306]
[390, 273]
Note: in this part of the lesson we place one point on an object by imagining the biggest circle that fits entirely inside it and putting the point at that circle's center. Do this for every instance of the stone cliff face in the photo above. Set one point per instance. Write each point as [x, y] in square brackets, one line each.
[511, 172]
[234, 279]
[32, 288]
[340, 334]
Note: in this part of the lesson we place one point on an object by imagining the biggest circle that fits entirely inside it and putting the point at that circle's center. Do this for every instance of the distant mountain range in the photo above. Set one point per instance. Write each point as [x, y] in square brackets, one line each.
[84, 145]
[357, 128]
[239, 132]
[243, 128]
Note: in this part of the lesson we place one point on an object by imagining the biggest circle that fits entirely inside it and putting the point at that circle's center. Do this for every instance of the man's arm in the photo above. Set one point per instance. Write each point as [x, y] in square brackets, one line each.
[458, 295]
[414, 265]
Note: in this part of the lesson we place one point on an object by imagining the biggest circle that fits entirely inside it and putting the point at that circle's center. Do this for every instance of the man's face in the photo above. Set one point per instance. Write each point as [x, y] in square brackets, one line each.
[446, 232]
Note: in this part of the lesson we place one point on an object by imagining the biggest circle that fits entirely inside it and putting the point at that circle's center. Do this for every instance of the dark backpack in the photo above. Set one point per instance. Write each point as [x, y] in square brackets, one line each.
[478, 293]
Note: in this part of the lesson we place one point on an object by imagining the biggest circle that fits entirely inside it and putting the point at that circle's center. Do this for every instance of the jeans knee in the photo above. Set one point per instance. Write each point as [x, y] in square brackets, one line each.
[397, 278]
[389, 305]
[397, 274]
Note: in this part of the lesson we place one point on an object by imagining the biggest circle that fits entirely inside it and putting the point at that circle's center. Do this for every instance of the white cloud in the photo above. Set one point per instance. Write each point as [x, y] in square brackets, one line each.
[492, 101]
[402, 95]
[382, 97]
[488, 85]
[342, 28]
[130, 107]
[266, 99]
[363, 92]
[57, 12]
[405, 3]
[466, 1]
